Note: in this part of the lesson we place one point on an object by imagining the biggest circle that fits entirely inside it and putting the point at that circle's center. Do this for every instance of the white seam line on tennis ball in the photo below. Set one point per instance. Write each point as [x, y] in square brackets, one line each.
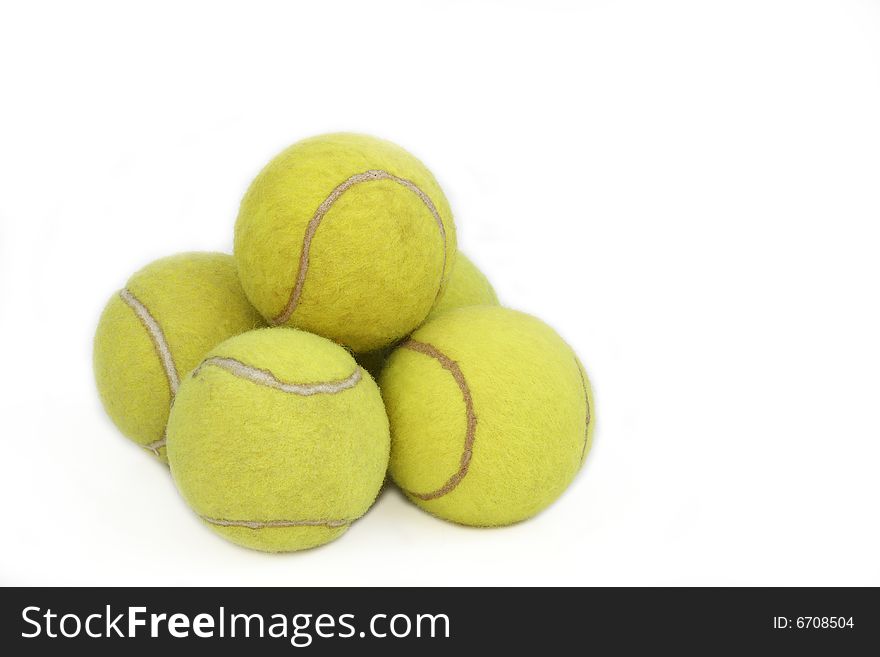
[267, 524]
[266, 378]
[452, 367]
[156, 336]
[589, 415]
[366, 176]
[156, 445]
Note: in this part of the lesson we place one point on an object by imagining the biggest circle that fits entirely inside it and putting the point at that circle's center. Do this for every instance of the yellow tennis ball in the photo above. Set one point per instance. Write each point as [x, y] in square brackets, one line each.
[491, 415]
[278, 440]
[159, 327]
[346, 236]
[467, 286]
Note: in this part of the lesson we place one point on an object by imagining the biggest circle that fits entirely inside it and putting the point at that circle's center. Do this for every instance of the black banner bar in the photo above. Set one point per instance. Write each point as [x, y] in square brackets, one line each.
[436, 621]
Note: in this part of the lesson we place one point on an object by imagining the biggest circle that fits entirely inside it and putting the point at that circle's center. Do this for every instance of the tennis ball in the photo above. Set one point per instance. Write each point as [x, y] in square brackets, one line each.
[467, 287]
[346, 236]
[491, 415]
[278, 440]
[156, 329]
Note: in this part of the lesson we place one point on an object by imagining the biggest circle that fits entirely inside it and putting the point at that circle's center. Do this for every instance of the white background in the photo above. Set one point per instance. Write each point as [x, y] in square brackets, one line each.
[688, 191]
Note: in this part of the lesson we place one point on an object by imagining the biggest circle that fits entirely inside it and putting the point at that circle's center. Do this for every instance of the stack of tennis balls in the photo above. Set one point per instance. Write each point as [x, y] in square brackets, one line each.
[253, 376]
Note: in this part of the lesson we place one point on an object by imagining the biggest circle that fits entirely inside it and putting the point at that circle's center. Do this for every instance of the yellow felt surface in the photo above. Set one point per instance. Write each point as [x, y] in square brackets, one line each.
[130, 377]
[530, 405]
[467, 286]
[376, 260]
[198, 302]
[242, 451]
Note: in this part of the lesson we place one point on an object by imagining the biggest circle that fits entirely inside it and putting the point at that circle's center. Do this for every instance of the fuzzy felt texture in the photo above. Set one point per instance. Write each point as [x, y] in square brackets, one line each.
[467, 286]
[376, 257]
[273, 470]
[196, 302]
[489, 415]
